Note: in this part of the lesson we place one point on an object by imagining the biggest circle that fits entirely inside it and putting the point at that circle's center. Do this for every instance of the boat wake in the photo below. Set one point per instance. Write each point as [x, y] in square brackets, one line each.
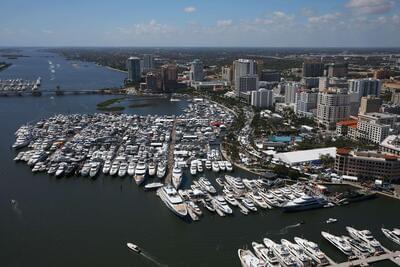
[16, 209]
[152, 258]
[285, 229]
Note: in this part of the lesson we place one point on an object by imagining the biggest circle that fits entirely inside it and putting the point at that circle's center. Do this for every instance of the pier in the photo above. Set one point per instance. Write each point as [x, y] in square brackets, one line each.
[387, 256]
[171, 149]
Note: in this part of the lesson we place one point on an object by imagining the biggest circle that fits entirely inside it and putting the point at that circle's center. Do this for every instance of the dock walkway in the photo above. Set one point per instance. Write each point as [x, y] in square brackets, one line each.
[393, 256]
[171, 149]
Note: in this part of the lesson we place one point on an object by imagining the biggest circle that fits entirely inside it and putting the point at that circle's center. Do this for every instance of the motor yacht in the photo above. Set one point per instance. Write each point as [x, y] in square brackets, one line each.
[220, 203]
[114, 168]
[365, 236]
[393, 235]
[123, 168]
[131, 168]
[215, 166]
[176, 176]
[140, 172]
[249, 204]
[258, 200]
[338, 242]
[231, 199]
[281, 253]
[208, 165]
[248, 259]
[193, 167]
[306, 202]
[161, 169]
[221, 165]
[312, 250]
[106, 167]
[298, 253]
[94, 168]
[206, 185]
[152, 169]
[265, 254]
[172, 200]
[200, 166]
[229, 166]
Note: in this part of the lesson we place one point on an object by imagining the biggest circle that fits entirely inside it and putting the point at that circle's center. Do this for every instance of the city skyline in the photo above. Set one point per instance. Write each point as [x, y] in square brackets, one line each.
[339, 23]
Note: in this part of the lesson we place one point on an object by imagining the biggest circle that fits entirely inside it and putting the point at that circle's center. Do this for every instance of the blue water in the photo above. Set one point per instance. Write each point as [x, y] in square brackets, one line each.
[69, 75]
[284, 138]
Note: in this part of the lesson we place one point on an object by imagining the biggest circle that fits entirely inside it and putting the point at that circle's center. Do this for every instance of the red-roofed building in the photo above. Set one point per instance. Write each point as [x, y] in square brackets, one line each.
[342, 127]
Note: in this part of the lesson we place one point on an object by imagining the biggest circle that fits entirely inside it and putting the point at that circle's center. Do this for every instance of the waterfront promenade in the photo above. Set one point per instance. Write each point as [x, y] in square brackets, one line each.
[393, 256]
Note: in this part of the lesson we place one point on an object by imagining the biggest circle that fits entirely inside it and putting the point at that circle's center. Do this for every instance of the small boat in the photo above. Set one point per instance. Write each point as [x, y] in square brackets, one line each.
[152, 186]
[199, 166]
[228, 166]
[215, 166]
[134, 247]
[152, 169]
[331, 220]
[193, 167]
[161, 169]
[208, 165]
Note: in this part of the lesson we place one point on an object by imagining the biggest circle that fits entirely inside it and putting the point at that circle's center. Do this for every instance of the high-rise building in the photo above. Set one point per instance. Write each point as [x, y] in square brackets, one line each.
[290, 92]
[370, 104]
[227, 74]
[262, 98]
[338, 70]
[365, 87]
[243, 67]
[152, 82]
[306, 103]
[196, 71]
[248, 83]
[133, 66]
[331, 108]
[148, 62]
[169, 76]
[270, 76]
[310, 82]
[313, 68]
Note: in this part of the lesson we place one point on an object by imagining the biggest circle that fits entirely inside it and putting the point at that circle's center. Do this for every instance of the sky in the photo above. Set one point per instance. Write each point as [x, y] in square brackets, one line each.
[157, 23]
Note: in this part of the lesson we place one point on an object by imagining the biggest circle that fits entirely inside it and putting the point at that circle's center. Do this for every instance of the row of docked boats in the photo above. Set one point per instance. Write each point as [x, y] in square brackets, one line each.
[301, 252]
[19, 85]
[197, 166]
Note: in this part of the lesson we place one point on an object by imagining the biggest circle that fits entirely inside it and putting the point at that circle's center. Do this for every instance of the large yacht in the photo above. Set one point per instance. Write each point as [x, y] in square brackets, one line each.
[220, 202]
[312, 250]
[215, 166]
[140, 172]
[177, 176]
[392, 235]
[281, 252]
[131, 168]
[172, 200]
[161, 169]
[338, 242]
[107, 167]
[365, 236]
[193, 167]
[205, 184]
[248, 259]
[152, 169]
[305, 202]
[298, 253]
[236, 183]
[265, 254]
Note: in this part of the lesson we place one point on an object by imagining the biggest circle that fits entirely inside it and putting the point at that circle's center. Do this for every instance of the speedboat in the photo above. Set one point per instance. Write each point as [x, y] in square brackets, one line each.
[331, 220]
[248, 259]
[176, 176]
[133, 247]
[393, 235]
[152, 169]
[140, 172]
[312, 250]
[172, 200]
[153, 186]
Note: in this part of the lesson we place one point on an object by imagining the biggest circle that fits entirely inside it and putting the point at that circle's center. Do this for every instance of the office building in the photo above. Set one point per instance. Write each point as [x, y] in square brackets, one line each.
[338, 70]
[248, 83]
[196, 71]
[365, 87]
[310, 82]
[227, 74]
[371, 131]
[306, 103]
[370, 104]
[262, 98]
[270, 76]
[148, 62]
[367, 165]
[152, 82]
[169, 76]
[243, 67]
[312, 68]
[331, 108]
[133, 67]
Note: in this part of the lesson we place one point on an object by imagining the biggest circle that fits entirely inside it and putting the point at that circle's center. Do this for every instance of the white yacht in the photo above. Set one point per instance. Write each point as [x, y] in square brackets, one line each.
[61, 169]
[236, 183]
[131, 168]
[393, 235]
[258, 200]
[94, 168]
[231, 199]
[123, 168]
[221, 165]
[338, 242]
[265, 254]
[152, 169]
[298, 253]
[208, 165]
[220, 203]
[106, 167]
[206, 185]
[193, 167]
[365, 236]
[114, 168]
[200, 166]
[161, 169]
[133, 247]
[305, 202]
[281, 253]
[249, 204]
[153, 186]
[229, 166]
[140, 172]
[172, 200]
[248, 259]
[177, 176]
[215, 166]
[312, 250]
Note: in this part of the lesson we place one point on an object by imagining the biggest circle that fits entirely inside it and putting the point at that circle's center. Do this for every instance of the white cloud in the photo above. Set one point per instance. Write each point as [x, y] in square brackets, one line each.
[370, 6]
[327, 18]
[307, 12]
[189, 9]
[151, 27]
[46, 31]
[224, 23]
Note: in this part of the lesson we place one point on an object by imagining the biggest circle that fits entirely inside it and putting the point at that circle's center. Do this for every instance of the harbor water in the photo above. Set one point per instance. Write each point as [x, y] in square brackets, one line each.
[77, 221]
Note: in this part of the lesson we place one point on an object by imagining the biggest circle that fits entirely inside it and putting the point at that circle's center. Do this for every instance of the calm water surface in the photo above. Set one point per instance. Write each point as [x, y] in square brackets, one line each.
[79, 222]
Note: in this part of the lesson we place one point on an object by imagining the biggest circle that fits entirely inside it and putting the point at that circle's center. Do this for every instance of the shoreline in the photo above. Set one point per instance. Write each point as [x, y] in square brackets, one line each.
[111, 68]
